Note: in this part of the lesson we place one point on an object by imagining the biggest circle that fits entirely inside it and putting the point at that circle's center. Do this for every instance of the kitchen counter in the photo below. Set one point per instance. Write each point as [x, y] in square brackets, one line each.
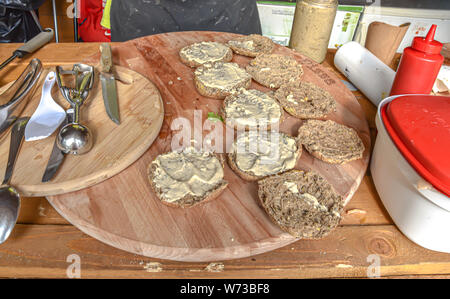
[43, 243]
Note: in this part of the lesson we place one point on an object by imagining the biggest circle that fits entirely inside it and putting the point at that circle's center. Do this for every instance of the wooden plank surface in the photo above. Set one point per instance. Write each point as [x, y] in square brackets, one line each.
[38, 220]
[46, 251]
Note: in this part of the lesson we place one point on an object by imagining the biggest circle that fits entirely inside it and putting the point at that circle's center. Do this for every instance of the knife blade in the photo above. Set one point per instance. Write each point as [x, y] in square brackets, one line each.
[57, 156]
[109, 89]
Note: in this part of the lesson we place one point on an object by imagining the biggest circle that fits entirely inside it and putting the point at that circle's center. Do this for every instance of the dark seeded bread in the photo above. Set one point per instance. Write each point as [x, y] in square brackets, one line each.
[305, 100]
[247, 93]
[207, 52]
[251, 45]
[206, 75]
[274, 70]
[249, 175]
[330, 141]
[301, 203]
[188, 200]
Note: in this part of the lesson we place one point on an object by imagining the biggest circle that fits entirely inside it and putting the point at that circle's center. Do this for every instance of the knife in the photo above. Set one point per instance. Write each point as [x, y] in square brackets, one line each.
[57, 155]
[109, 89]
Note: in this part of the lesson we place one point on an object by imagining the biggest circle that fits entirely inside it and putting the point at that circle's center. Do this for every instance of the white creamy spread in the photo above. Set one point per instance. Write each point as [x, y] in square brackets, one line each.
[205, 52]
[186, 173]
[312, 200]
[290, 98]
[265, 154]
[221, 75]
[252, 108]
[292, 186]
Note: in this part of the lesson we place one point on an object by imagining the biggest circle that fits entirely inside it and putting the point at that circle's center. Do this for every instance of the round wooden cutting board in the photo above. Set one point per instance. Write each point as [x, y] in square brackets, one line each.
[125, 213]
[115, 147]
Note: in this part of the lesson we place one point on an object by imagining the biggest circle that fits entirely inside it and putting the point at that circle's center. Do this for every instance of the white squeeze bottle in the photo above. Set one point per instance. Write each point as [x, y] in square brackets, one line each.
[368, 73]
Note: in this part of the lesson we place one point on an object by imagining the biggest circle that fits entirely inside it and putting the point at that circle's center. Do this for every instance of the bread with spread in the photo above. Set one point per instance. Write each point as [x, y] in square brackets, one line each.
[301, 203]
[255, 155]
[331, 142]
[198, 54]
[251, 45]
[220, 79]
[305, 100]
[188, 177]
[274, 70]
[251, 109]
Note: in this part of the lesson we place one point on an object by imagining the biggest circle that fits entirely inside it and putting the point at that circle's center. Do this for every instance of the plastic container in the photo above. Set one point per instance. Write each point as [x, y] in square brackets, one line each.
[368, 73]
[311, 28]
[419, 66]
[411, 166]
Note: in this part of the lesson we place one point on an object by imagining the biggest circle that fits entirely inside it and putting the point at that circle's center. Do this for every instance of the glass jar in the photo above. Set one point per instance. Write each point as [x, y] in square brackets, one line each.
[311, 30]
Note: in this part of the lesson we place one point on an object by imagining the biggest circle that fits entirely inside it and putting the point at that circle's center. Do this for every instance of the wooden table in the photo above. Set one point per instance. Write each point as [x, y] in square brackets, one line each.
[44, 244]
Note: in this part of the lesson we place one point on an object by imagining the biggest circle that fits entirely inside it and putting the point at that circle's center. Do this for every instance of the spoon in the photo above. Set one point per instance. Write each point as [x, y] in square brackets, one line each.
[9, 197]
[48, 115]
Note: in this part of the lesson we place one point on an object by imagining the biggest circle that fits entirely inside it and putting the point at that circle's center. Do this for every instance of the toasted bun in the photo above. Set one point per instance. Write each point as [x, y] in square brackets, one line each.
[251, 45]
[274, 70]
[251, 176]
[188, 200]
[331, 142]
[253, 95]
[305, 100]
[205, 52]
[210, 83]
[301, 203]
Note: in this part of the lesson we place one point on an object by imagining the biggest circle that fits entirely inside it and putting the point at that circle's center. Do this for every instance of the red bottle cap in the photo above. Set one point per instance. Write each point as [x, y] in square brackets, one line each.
[419, 125]
[427, 44]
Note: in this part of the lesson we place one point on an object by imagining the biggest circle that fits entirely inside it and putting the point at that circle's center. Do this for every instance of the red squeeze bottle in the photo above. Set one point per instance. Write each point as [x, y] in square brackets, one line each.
[419, 66]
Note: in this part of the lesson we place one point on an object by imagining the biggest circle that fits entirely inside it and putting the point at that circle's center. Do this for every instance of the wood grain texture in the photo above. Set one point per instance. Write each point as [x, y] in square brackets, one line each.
[52, 244]
[365, 208]
[115, 147]
[45, 251]
[125, 213]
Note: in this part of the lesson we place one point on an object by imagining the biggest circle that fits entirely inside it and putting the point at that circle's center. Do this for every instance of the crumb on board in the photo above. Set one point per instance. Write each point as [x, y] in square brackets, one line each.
[153, 267]
[343, 266]
[215, 267]
[356, 211]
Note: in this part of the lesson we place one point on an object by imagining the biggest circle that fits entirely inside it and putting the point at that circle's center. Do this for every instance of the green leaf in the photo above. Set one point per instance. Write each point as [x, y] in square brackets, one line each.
[212, 116]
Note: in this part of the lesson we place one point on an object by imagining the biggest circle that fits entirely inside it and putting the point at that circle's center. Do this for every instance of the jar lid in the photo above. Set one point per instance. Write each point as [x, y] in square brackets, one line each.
[323, 2]
[419, 125]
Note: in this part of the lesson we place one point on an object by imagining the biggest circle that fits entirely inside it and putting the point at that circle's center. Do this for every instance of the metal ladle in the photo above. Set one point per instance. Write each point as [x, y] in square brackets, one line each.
[9, 197]
[75, 138]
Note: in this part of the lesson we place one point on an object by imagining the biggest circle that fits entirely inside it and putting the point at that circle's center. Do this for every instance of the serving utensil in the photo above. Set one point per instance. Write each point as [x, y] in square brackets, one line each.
[9, 197]
[48, 115]
[75, 138]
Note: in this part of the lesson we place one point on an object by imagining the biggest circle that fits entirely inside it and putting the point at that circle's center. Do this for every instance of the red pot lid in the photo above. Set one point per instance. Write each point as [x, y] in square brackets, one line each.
[419, 125]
